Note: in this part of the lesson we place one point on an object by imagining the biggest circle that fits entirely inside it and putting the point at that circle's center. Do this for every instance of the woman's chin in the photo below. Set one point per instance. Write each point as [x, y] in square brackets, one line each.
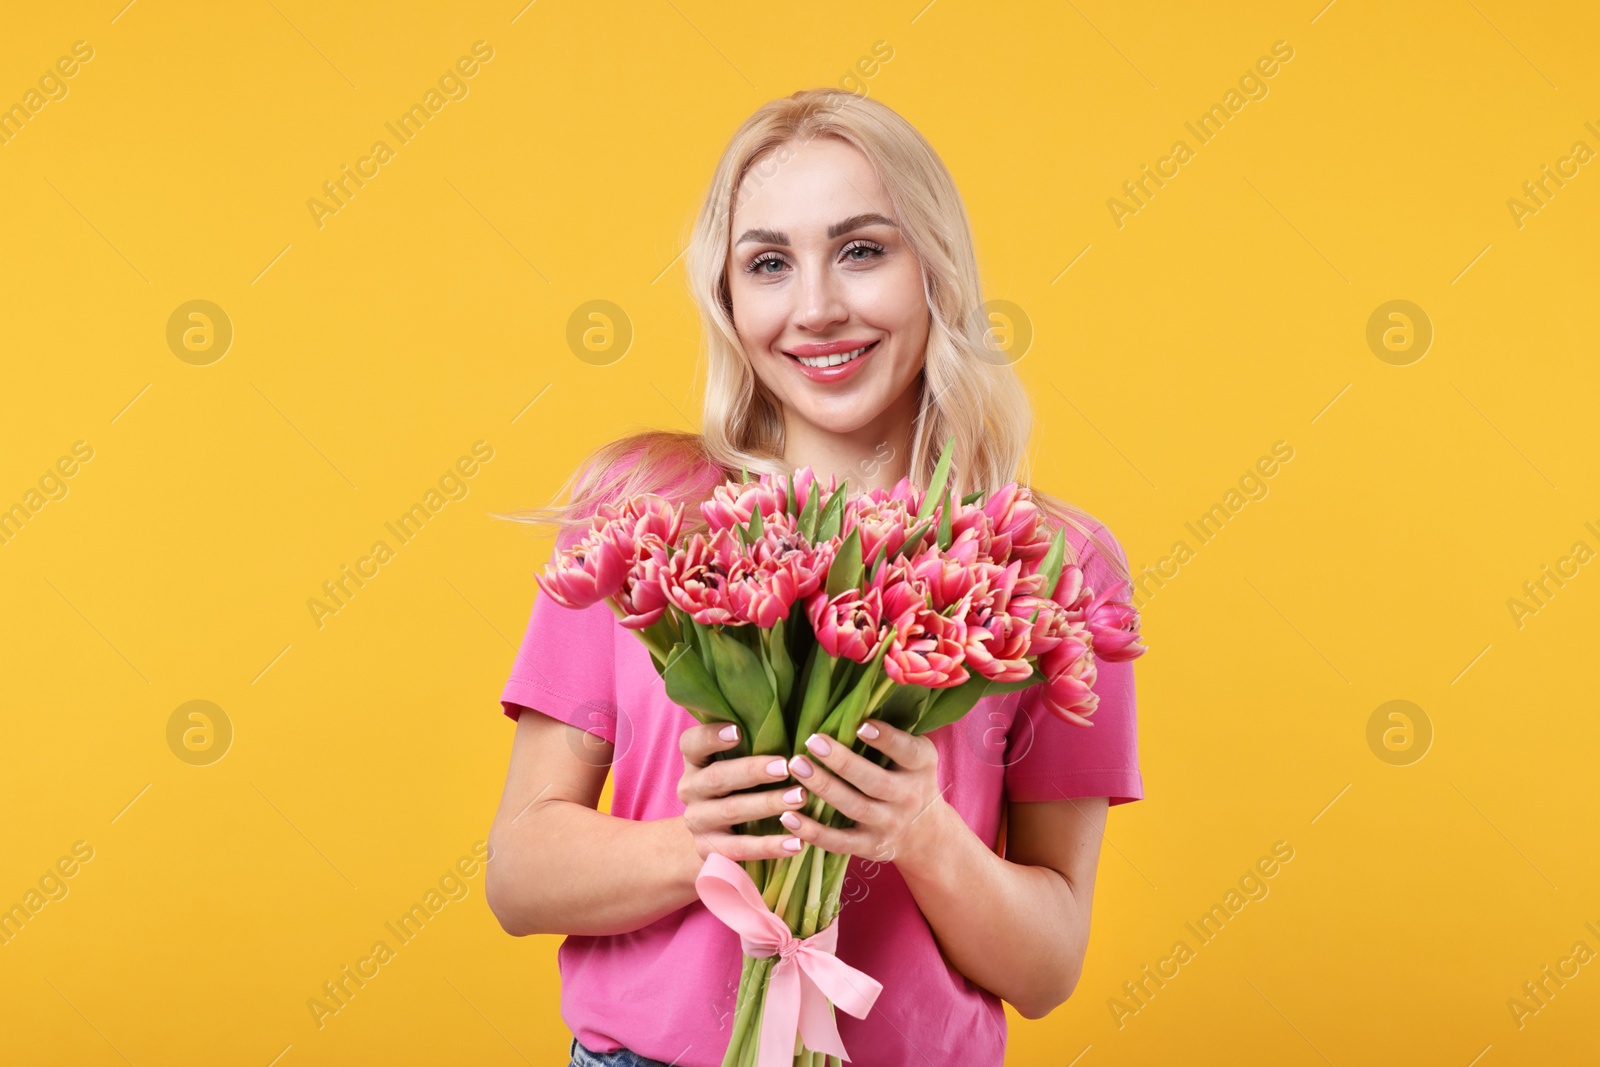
[840, 419]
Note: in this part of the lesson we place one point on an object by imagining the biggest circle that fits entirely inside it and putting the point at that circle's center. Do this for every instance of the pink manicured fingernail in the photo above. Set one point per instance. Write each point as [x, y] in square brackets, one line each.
[793, 796]
[818, 744]
[778, 769]
[791, 844]
[790, 820]
[800, 766]
[868, 731]
[729, 733]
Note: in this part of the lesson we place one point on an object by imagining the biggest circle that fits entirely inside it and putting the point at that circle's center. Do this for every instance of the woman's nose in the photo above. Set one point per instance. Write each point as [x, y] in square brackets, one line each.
[821, 304]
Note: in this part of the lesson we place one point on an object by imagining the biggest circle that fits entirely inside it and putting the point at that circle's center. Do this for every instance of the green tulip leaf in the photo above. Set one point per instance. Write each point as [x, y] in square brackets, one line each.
[845, 571]
[690, 686]
[941, 474]
[742, 678]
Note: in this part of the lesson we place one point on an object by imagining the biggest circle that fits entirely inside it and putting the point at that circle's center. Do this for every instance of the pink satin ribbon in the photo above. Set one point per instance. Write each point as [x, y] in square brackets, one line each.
[803, 982]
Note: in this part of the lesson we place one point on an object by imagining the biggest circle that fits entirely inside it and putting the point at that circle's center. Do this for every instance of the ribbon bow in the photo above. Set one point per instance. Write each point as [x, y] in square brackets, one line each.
[805, 979]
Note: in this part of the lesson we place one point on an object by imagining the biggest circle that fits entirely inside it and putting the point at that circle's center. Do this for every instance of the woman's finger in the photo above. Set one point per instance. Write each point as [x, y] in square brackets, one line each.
[700, 742]
[836, 839]
[726, 776]
[858, 770]
[762, 804]
[844, 797]
[738, 847]
[910, 751]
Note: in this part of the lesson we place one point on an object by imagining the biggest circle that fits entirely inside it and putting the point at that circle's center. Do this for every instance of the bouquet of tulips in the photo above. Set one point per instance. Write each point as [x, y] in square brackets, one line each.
[803, 609]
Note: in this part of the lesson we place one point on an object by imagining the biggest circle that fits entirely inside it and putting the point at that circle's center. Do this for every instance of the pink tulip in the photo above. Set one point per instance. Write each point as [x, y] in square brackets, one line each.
[927, 650]
[950, 575]
[849, 626]
[782, 567]
[1070, 674]
[1014, 518]
[1069, 591]
[971, 525]
[903, 491]
[643, 597]
[696, 577]
[882, 524]
[998, 648]
[586, 574]
[806, 482]
[1115, 626]
[1050, 626]
[732, 503]
[631, 520]
[902, 591]
[763, 593]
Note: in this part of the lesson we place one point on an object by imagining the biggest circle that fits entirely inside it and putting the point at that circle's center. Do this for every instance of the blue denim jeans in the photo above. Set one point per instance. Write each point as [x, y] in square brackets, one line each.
[583, 1057]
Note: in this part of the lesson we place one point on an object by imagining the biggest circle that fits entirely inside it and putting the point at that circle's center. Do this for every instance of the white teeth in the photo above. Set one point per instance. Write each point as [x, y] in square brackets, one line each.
[833, 360]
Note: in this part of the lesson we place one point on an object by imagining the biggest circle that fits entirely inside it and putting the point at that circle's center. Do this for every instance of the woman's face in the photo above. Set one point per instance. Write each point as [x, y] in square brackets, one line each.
[818, 270]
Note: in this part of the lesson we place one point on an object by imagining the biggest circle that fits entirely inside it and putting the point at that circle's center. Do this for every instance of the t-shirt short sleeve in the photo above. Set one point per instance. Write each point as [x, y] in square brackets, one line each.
[1050, 759]
[566, 666]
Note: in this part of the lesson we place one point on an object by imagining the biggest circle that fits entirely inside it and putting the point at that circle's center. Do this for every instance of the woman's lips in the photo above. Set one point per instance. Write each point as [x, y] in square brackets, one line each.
[830, 375]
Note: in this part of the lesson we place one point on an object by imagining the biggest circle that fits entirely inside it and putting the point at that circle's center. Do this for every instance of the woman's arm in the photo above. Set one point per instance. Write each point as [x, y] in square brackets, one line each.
[1017, 926]
[558, 865]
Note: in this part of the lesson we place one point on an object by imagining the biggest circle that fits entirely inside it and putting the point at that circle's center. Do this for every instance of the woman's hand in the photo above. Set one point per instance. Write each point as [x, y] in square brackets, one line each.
[712, 807]
[897, 809]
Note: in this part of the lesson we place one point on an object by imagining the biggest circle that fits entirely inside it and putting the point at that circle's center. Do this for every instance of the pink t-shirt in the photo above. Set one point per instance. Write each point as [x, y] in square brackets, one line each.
[666, 990]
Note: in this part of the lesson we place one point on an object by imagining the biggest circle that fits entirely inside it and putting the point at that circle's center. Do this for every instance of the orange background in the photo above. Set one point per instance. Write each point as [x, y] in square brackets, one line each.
[1440, 860]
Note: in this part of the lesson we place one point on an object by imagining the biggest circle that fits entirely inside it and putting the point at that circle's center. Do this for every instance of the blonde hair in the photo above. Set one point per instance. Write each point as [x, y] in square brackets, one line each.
[967, 392]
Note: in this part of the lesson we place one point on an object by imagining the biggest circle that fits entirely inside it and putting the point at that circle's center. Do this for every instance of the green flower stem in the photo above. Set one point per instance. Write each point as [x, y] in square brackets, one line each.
[658, 653]
[751, 996]
[809, 858]
[773, 884]
[808, 917]
[791, 874]
[824, 877]
[833, 884]
[790, 865]
[744, 985]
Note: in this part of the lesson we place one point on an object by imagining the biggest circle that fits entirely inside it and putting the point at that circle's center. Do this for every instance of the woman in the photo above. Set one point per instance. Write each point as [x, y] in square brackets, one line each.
[834, 270]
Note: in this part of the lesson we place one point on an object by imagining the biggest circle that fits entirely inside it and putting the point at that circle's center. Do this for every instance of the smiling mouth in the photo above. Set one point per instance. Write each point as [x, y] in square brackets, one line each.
[836, 360]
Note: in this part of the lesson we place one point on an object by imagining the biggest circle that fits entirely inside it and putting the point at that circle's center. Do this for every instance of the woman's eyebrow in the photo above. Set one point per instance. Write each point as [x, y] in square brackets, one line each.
[777, 237]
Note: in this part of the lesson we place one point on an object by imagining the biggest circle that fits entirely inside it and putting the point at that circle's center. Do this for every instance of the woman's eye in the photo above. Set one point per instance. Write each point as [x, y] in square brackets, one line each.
[870, 250]
[759, 264]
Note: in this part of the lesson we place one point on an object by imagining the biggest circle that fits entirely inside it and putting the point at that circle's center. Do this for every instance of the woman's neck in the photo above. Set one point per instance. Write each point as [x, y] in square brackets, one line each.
[876, 456]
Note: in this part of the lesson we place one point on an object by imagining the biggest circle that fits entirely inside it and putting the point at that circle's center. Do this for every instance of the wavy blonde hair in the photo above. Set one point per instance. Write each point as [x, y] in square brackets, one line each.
[966, 392]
